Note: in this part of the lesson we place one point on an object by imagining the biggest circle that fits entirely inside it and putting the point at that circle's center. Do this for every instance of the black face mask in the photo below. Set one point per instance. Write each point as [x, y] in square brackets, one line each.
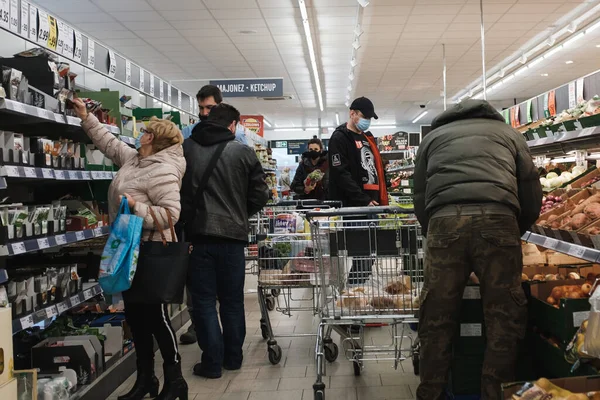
[314, 154]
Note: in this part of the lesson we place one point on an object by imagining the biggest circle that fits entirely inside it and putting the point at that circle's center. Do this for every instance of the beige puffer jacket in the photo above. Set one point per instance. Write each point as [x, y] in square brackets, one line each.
[152, 181]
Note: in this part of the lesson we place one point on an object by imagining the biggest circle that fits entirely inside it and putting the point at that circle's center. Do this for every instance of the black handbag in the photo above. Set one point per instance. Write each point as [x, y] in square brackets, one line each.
[161, 269]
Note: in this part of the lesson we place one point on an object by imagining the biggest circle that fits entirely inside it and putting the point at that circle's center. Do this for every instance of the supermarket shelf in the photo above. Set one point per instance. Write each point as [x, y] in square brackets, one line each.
[563, 142]
[48, 242]
[401, 168]
[55, 310]
[575, 250]
[13, 171]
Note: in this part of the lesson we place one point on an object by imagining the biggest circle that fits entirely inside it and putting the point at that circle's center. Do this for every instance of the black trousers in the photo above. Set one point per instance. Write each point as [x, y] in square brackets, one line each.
[149, 321]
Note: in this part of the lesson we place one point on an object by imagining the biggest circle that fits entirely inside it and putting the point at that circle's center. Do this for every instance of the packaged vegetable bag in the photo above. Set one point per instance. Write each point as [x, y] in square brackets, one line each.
[313, 178]
[119, 258]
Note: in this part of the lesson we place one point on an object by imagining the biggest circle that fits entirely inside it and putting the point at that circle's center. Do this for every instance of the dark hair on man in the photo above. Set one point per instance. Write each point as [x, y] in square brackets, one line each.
[210, 91]
[316, 140]
[224, 114]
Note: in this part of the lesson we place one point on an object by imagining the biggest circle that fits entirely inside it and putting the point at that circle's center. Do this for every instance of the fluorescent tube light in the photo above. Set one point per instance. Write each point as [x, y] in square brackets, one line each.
[267, 123]
[311, 52]
[593, 27]
[552, 51]
[383, 127]
[353, 62]
[508, 78]
[535, 62]
[424, 113]
[573, 39]
[288, 130]
[478, 96]
[337, 118]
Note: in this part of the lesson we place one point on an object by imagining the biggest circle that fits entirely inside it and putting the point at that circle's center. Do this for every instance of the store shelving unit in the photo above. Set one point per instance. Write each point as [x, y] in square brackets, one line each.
[561, 246]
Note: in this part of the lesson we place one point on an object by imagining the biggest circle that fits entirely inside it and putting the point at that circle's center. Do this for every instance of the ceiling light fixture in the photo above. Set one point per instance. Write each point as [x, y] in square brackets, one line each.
[356, 44]
[573, 39]
[358, 31]
[311, 51]
[353, 62]
[535, 62]
[267, 123]
[424, 113]
[593, 27]
[363, 3]
[337, 118]
[544, 74]
[569, 62]
[347, 103]
[351, 76]
[553, 51]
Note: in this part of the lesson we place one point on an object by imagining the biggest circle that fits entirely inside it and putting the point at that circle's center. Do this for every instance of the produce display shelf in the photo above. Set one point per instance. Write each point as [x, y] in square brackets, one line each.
[14, 171]
[42, 115]
[574, 250]
[30, 245]
[55, 310]
[401, 168]
[562, 142]
[403, 192]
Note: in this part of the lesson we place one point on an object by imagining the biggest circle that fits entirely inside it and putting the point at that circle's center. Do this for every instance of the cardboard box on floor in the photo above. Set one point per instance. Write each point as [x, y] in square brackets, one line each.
[583, 384]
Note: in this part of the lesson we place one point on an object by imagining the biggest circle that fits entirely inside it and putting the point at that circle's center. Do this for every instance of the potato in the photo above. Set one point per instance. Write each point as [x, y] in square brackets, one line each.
[586, 288]
[557, 292]
[524, 277]
[592, 211]
[578, 221]
[538, 277]
[574, 295]
[550, 300]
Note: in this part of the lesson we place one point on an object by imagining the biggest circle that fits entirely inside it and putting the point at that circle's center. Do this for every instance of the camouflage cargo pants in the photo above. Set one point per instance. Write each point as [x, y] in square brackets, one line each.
[463, 239]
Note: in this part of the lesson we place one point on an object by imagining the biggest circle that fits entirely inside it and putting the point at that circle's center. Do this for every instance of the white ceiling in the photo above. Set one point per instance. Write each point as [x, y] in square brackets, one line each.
[399, 62]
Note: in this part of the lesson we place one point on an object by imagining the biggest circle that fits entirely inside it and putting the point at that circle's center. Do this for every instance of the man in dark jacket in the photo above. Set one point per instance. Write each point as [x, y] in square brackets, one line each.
[216, 222]
[476, 192]
[357, 176]
[312, 160]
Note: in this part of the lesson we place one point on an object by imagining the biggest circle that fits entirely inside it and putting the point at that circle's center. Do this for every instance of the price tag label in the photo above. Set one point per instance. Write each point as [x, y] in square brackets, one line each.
[161, 89]
[179, 98]
[59, 174]
[75, 300]
[86, 175]
[47, 173]
[52, 33]
[112, 64]
[26, 322]
[169, 94]
[30, 172]
[51, 312]
[80, 235]
[59, 118]
[11, 171]
[142, 87]
[18, 107]
[91, 61]
[60, 39]
[78, 51]
[586, 132]
[550, 243]
[69, 45]
[536, 136]
[88, 294]
[406, 191]
[96, 175]
[18, 248]
[97, 232]
[33, 25]
[4, 14]
[60, 240]
[576, 251]
[404, 182]
[62, 307]
[14, 15]
[24, 18]
[151, 85]
[73, 175]
[43, 243]
[128, 72]
[44, 28]
[578, 125]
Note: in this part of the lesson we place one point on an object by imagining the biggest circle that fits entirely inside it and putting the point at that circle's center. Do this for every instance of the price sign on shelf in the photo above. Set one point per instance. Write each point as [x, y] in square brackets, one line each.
[60, 239]
[60, 39]
[33, 25]
[26, 322]
[151, 85]
[112, 64]
[73, 175]
[59, 174]
[161, 89]
[550, 243]
[97, 232]
[78, 51]
[88, 294]
[169, 94]
[576, 251]
[128, 72]
[80, 235]
[4, 14]
[91, 61]
[62, 307]
[75, 300]
[42, 113]
[51, 312]
[18, 107]
[11, 171]
[18, 248]
[24, 18]
[43, 29]
[86, 175]
[47, 173]
[14, 15]
[43, 243]
[179, 98]
[52, 33]
[30, 172]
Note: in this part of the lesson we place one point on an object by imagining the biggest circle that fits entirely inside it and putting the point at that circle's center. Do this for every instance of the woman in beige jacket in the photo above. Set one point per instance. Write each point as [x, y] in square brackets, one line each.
[149, 177]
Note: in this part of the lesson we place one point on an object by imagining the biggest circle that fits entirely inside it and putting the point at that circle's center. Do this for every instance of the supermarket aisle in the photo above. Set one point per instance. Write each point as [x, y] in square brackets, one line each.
[293, 378]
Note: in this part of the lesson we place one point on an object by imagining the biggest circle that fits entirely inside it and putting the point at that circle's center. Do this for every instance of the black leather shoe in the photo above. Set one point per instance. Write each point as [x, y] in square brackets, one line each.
[175, 386]
[199, 370]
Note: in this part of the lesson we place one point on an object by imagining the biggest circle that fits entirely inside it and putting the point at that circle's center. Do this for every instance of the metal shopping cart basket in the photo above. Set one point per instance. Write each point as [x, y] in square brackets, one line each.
[287, 279]
[371, 261]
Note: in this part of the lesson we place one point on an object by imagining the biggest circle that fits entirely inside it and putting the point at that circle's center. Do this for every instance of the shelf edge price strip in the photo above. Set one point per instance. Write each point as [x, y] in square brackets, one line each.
[80, 235]
[576, 251]
[26, 322]
[75, 301]
[62, 307]
[550, 243]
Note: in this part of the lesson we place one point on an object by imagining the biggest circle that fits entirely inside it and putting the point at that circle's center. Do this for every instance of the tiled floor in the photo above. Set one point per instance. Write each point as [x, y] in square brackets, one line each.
[293, 378]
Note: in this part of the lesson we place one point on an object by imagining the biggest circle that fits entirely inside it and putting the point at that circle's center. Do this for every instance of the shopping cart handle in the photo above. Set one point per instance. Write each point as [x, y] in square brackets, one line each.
[359, 211]
[309, 203]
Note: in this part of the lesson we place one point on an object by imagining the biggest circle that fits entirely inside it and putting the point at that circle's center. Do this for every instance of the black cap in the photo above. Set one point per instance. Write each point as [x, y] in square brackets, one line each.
[365, 106]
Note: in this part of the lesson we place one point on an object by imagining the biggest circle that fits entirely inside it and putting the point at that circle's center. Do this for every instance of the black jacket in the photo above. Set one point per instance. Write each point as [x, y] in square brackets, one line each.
[472, 156]
[304, 169]
[235, 191]
[348, 174]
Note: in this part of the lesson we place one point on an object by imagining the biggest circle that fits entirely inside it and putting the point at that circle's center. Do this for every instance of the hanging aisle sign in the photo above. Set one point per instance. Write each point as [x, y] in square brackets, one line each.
[112, 64]
[169, 94]
[52, 33]
[529, 111]
[33, 24]
[78, 51]
[266, 87]
[14, 16]
[4, 14]
[179, 98]
[91, 61]
[572, 95]
[128, 72]
[24, 18]
[69, 43]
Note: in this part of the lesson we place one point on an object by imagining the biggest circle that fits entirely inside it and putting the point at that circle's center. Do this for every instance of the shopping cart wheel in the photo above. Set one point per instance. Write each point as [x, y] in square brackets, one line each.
[319, 389]
[331, 352]
[275, 354]
[357, 368]
[264, 330]
[270, 303]
[275, 292]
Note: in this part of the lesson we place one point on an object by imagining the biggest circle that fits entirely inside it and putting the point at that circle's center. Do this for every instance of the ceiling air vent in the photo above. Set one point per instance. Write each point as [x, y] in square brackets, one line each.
[277, 98]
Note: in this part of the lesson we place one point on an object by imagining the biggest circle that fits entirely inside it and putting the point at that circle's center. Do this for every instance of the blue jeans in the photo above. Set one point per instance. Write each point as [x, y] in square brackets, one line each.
[217, 271]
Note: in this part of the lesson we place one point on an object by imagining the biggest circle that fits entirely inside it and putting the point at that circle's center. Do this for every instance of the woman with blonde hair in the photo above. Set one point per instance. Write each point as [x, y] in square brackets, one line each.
[150, 178]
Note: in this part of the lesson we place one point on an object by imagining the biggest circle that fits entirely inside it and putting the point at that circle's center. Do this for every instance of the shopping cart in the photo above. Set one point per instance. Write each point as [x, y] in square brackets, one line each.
[371, 261]
[287, 266]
